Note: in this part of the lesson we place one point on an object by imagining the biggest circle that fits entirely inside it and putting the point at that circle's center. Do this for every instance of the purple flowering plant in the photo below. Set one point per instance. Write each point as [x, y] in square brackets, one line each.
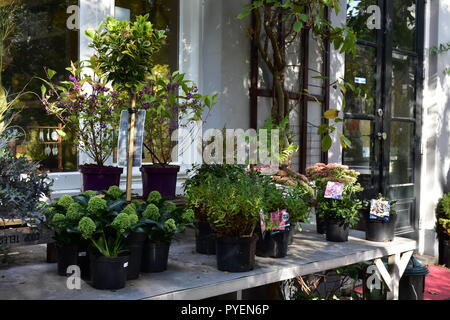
[166, 97]
[86, 107]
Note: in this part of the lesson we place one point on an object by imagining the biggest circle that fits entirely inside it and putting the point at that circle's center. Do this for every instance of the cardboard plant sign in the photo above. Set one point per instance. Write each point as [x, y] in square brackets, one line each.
[138, 138]
[379, 210]
[334, 190]
[280, 221]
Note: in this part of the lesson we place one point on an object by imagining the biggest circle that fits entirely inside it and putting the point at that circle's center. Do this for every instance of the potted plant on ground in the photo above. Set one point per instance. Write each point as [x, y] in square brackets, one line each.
[197, 194]
[166, 98]
[283, 208]
[160, 220]
[380, 220]
[107, 226]
[336, 190]
[443, 229]
[234, 213]
[89, 109]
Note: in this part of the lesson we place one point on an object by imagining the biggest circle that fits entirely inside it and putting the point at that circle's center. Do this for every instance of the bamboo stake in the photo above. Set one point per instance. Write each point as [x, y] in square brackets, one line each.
[132, 115]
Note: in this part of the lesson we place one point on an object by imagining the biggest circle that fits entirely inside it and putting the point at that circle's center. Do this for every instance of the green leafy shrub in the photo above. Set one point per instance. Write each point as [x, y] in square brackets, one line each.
[22, 187]
[443, 217]
[233, 205]
[197, 192]
[161, 220]
[347, 209]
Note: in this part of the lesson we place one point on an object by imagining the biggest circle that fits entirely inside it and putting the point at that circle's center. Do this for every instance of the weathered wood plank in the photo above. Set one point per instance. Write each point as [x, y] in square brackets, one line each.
[23, 236]
[194, 276]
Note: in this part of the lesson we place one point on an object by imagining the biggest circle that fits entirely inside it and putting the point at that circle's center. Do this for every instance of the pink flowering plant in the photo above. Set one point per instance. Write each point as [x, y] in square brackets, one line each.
[346, 209]
[166, 97]
[86, 107]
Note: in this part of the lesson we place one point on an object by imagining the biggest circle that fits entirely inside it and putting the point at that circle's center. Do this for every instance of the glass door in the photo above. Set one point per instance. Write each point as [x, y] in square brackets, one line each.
[382, 116]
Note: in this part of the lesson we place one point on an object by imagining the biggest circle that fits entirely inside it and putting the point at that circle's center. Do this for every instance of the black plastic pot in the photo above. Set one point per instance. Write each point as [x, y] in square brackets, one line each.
[292, 232]
[52, 252]
[205, 238]
[136, 242]
[155, 257]
[444, 252]
[337, 231]
[67, 256]
[109, 273]
[275, 246]
[84, 262]
[321, 224]
[381, 231]
[236, 254]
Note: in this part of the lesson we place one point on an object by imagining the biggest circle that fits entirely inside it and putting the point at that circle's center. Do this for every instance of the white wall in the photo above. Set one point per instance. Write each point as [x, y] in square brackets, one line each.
[225, 63]
[436, 119]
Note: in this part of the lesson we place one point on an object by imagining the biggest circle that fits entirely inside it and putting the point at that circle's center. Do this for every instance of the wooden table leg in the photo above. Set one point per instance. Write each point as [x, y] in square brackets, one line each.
[397, 264]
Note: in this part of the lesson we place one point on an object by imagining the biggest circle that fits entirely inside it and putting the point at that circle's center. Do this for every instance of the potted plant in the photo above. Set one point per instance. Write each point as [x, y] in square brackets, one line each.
[299, 188]
[62, 218]
[336, 189]
[160, 220]
[106, 225]
[283, 208]
[88, 108]
[235, 204]
[443, 229]
[124, 52]
[166, 97]
[380, 220]
[197, 193]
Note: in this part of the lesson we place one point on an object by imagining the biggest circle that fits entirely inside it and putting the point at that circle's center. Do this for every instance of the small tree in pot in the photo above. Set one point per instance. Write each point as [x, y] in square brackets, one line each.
[340, 210]
[235, 205]
[88, 108]
[124, 52]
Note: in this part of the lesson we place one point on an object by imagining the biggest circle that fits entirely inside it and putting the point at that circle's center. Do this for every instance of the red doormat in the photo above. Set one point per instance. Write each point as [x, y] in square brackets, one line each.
[437, 284]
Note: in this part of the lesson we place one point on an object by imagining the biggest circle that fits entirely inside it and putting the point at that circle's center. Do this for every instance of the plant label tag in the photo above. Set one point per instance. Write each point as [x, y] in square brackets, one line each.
[262, 221]
[334, 190]
[82, 254]
[280, 220]
[123, 143]
[125, 264]
[360, 80]
[380, 210]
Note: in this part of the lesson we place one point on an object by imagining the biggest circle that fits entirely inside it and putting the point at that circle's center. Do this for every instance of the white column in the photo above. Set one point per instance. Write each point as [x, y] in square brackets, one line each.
[337, 71]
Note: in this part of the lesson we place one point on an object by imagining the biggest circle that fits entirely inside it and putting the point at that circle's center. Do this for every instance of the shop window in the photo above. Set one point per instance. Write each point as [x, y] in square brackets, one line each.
[40, 39]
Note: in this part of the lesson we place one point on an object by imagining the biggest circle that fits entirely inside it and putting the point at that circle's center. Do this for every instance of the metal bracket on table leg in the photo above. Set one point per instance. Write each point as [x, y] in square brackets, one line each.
[391, 278]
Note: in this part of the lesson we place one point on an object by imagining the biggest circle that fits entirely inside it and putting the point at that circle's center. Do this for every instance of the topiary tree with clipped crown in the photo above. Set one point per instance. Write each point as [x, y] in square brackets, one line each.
[124, 52]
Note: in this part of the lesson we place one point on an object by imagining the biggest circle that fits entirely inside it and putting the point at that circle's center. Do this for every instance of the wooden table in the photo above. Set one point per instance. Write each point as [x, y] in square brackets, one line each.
[194, 276]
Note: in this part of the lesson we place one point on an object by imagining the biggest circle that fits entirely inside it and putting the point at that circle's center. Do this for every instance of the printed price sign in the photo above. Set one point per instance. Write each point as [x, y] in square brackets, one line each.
[138, 138]
[334, 190]
[379, 210]
[280, 219]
